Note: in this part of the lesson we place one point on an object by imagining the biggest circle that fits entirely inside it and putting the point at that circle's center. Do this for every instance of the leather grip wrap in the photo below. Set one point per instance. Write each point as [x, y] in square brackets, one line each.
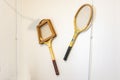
[55, 67]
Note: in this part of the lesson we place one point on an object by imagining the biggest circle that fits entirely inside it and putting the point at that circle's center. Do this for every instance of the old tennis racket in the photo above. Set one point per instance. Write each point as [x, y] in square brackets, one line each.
[82, 20]
[46, 33]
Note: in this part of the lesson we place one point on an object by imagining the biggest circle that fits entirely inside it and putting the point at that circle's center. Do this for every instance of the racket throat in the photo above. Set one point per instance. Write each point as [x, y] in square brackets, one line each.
[49, 44]
[73, 39]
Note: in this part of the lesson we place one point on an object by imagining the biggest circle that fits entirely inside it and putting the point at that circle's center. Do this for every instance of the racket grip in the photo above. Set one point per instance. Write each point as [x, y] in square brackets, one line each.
[67, 53]
[55, 67]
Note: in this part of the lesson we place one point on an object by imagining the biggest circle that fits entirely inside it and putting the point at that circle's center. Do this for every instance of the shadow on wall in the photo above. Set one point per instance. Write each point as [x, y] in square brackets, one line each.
[34, 24]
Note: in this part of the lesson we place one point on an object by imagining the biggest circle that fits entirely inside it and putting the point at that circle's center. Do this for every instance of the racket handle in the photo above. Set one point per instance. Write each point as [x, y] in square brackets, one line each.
[67, 53]
[55, 67]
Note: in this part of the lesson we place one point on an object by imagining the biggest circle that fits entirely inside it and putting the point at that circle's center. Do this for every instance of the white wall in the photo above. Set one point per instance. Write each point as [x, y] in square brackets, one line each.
[37, 60]
[34, 61]
[106, 41]
[7, 41]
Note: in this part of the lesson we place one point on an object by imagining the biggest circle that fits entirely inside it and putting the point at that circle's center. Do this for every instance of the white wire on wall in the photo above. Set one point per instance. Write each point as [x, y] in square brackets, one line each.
[16, 11]
[16, 37]
[91, 47]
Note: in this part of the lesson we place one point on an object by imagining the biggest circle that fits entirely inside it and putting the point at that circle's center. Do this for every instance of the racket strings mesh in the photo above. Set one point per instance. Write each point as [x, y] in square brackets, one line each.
[83, 17]
[45, 31]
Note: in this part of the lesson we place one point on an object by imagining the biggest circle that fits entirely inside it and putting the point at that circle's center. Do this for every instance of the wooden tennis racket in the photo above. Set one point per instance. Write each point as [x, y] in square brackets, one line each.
[82, 21]
[46, 33]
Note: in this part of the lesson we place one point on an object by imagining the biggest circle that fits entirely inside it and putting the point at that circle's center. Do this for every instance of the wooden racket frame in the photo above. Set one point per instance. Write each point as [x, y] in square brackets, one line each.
[41, 24]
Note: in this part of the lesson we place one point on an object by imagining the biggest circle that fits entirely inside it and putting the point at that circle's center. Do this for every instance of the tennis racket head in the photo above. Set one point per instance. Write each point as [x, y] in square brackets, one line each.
[45, 31]
[83, 17]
